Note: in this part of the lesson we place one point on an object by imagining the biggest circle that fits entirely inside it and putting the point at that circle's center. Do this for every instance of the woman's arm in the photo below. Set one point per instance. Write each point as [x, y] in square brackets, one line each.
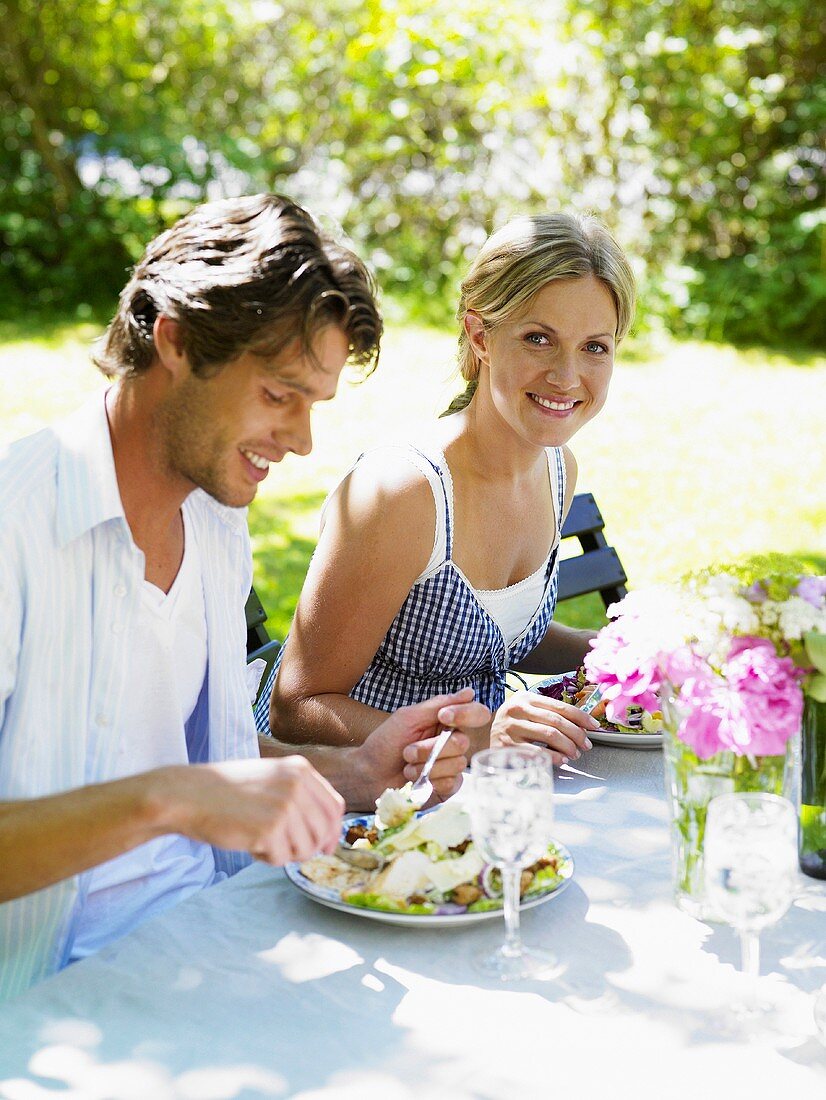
[562, 649]
[377, 536]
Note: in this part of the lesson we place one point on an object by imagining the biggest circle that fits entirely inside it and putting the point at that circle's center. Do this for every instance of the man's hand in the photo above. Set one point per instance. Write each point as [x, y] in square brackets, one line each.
[277, 810]
[395, 751]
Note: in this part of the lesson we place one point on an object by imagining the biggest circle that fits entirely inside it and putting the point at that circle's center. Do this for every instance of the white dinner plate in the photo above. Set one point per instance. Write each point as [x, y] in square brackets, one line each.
[617, 738]
[325, 895]
[626, 740]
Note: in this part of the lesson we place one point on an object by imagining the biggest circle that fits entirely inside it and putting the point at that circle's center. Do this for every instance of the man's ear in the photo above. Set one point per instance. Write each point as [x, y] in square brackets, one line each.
[477, 334]
[169, 345]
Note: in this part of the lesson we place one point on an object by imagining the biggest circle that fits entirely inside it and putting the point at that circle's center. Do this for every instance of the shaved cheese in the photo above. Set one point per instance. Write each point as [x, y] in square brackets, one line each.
[448, 826]
[448, 873]
[394, 807]
[407, 874]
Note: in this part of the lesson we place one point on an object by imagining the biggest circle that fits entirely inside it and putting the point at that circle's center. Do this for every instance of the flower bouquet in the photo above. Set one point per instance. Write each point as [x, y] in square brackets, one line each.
[727, 663]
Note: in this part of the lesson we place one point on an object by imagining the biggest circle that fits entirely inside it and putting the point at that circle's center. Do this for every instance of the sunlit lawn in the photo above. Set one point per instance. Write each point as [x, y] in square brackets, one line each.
[703, 453]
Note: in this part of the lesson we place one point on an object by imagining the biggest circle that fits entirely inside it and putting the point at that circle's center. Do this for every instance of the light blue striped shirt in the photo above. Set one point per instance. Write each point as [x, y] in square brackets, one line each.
[70, 580]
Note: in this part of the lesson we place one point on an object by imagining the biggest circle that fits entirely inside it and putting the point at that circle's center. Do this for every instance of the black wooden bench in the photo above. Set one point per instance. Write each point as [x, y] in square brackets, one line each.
[259, 643]
[597, 568]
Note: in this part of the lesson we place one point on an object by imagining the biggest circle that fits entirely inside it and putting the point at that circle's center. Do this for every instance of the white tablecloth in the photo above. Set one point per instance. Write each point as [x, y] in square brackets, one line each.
[251, 989]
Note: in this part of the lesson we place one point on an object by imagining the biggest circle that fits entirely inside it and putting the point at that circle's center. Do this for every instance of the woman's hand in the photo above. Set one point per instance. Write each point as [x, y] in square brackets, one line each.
[529, 717]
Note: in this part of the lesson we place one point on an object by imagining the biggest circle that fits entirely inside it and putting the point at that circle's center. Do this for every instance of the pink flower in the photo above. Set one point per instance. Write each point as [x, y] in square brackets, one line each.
[767, 700]
[753, 708]
[732, 693]
[699, 703]
[627, 672]
[683, 664]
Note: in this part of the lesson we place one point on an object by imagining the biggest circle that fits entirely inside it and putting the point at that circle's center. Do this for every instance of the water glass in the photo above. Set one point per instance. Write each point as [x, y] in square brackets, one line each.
[750, 871]
[511, 822]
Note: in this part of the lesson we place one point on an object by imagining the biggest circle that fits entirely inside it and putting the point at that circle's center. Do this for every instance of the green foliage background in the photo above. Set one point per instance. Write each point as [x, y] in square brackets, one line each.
[693, 128]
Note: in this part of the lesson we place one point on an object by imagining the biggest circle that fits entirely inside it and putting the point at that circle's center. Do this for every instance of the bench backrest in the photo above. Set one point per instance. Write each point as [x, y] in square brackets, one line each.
[597, 568]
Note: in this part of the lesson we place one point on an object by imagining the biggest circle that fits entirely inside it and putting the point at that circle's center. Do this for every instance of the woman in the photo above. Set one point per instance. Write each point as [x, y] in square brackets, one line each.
[437, 564]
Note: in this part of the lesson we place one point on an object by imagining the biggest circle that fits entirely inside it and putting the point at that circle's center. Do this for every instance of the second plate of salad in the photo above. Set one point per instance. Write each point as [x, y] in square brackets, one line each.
[644, 730]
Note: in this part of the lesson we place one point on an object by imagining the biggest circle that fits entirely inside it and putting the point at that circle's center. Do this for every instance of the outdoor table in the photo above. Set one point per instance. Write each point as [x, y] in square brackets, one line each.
[252, 989]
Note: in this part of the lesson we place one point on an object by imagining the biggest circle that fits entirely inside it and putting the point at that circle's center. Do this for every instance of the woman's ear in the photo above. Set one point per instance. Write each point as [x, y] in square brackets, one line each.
[477, 334]
[169, 345]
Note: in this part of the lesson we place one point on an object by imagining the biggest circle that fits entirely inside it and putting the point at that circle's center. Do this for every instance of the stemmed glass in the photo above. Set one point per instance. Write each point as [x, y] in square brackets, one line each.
[511, 813]
[820, 1014]
[750, 872]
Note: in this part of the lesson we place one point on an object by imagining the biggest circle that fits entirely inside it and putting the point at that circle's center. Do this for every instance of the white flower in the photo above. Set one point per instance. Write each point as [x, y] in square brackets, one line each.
[736, 614]
[797, 617]
[720, 585]
[707, 614]
[770, 613]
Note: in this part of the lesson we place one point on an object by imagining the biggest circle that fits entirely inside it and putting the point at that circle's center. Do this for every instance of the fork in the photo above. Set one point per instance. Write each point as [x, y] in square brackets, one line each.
[591, 701]
[422, 789]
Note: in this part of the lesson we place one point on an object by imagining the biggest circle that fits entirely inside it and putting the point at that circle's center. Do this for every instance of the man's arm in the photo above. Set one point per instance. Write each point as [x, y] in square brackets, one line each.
[277, 810]
[394, 752]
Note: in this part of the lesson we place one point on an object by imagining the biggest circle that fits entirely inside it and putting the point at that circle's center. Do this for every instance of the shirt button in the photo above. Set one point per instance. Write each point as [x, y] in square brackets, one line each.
[117, 628]
[120, 590]
[102, 719]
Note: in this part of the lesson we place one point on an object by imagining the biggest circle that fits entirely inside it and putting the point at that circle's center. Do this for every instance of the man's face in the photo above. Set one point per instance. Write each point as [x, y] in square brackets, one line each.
[221, 433]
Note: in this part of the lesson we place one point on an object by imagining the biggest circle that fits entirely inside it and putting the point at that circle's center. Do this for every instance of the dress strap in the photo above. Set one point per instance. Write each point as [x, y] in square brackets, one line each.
[557, 474]
[446, 483]
[438, 477]
[561, 483]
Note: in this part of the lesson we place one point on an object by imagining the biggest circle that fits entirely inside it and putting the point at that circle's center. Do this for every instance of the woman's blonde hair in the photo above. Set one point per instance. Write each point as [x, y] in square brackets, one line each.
[523, 256]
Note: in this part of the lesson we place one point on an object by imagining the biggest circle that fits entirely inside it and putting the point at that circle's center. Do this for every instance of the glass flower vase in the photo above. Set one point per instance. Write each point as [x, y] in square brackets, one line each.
[690, 785]
[812, 832]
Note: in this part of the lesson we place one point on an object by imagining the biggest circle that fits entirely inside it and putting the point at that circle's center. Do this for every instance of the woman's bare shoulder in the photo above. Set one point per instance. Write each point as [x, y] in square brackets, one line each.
[386, 482]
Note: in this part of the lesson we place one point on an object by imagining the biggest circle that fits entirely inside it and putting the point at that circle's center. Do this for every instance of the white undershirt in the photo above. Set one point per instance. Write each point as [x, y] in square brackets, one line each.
[512, 608]
[168, 666]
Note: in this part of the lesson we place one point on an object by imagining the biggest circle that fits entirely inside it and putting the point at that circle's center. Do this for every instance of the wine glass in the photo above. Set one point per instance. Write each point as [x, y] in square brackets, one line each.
[750, 872]
[511, 814]
[820, 1015]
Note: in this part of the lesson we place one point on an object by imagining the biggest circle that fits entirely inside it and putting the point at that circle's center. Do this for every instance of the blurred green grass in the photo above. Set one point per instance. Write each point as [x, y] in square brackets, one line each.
[703, 454]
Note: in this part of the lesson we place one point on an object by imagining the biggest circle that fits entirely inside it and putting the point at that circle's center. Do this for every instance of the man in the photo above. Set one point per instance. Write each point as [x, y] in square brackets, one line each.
[129, 764]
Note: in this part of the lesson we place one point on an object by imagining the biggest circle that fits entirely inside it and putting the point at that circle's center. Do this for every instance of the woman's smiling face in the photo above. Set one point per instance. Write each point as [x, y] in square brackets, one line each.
[546, 370]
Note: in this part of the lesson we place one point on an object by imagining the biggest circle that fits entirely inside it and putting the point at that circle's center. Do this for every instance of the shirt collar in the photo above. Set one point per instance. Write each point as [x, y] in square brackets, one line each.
[87, 486]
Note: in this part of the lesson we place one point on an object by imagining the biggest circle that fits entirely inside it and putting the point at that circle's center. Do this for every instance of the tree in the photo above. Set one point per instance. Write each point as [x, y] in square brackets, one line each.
[734, 104]
[691, 128]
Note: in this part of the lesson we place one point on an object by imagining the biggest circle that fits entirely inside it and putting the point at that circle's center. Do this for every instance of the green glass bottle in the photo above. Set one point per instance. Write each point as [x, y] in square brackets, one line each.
[812, 832]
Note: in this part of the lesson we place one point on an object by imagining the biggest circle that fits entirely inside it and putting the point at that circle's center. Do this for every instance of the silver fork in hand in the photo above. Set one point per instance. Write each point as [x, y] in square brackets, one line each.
[422, 789]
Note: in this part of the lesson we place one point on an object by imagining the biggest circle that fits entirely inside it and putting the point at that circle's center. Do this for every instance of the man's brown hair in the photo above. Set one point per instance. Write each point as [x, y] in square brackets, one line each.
[252, 274]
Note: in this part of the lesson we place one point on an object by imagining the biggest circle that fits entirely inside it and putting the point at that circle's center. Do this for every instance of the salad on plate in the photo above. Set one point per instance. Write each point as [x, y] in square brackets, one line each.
[429, 864]
[573, 687]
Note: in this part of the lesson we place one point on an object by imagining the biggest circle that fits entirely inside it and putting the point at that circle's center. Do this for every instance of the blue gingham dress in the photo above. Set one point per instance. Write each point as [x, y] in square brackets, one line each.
[443, 638]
